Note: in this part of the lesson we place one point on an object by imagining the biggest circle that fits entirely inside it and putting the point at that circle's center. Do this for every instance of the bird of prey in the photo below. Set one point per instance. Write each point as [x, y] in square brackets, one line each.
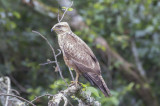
[78, 56]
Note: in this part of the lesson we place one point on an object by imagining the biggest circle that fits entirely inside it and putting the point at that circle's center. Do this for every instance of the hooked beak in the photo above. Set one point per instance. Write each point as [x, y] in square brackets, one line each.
[52, 28]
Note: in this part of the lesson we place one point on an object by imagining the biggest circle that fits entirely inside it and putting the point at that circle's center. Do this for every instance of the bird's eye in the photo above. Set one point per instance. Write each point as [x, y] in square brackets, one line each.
[59, 26]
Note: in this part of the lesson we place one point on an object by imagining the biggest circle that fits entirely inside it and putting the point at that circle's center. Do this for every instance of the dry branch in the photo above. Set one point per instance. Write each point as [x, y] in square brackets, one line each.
[8, 89]
[64, 12]
[73, 91]
[38, 97]
[54, 54]
[137, 60]
[20, 98]
[6, 92]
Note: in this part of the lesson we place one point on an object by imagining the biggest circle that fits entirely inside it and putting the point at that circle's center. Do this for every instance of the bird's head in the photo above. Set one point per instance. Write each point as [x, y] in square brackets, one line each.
[61, 27]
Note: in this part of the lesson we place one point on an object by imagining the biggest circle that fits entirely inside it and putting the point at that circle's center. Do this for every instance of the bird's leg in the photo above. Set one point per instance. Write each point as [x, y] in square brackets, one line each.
[77, 76]
[76, 80]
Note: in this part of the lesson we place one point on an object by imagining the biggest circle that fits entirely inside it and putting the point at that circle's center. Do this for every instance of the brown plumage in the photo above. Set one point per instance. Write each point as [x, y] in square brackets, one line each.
[79, 56]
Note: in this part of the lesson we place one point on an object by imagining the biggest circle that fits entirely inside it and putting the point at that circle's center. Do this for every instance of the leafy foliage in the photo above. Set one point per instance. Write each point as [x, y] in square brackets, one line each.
[118, 21]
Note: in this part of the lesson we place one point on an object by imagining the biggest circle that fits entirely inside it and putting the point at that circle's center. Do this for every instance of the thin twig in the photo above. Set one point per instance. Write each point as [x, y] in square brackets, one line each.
[58, 16]
[68, 101]
[136, 57]
[2, 94]
[50, 62]
[58, 53]
[8, 90]
[17, 83]
[71, 74]
[13, 90]
[65, 100]
[55, 58]
[65, 11]
[41, 97]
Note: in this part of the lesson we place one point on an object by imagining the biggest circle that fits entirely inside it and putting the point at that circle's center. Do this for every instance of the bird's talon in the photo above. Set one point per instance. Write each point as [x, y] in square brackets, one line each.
[74, 83]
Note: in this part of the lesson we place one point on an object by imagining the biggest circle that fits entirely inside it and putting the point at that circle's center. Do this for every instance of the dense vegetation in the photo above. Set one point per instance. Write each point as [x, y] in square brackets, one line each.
[131, 29]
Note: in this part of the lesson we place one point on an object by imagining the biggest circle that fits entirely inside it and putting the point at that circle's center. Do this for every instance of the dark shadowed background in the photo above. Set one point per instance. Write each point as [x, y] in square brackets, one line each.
[123, 34]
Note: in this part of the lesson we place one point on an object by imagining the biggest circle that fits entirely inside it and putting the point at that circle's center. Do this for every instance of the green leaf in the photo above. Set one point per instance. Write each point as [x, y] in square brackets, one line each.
[93, 91]
[17, 15]
[11, 25]
[70, 9]
[83, 85]
[64, 7]
[130, 86]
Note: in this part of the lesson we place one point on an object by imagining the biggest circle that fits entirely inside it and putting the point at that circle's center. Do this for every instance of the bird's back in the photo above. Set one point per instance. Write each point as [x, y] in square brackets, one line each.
[77, 50]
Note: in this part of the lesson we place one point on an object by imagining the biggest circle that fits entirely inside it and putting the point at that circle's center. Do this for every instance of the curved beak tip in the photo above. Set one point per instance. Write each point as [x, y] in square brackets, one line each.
[52, 30]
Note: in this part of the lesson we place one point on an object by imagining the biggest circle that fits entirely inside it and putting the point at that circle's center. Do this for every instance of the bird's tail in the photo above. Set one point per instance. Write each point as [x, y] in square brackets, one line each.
[104, 89]
[98, 81]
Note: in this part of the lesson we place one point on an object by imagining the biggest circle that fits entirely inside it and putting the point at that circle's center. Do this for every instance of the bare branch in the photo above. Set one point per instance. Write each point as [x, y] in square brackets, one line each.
[8, 90]
[136, 57]
[65, 11]
[48, 62]
[71, 74]
[48, 95]
[58, 16]
[13, 90]
[55, 57]
[17, 83]
[73, 91]
[2, 94]
[58, 53]
[3, 90]
[58, 98]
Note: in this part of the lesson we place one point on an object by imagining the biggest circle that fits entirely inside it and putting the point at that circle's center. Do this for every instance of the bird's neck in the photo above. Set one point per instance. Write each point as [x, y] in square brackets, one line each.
[64, 33]
[61, 34]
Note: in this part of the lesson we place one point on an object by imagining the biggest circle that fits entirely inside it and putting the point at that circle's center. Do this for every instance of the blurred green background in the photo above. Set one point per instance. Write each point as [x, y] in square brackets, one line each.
[131, 28]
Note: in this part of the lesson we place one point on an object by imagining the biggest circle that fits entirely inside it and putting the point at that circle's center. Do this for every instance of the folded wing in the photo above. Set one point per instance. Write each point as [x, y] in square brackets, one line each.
[85, 61]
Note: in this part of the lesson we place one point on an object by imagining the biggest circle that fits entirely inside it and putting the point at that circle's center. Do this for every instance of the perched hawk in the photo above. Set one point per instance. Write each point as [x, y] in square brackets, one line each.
[78, 56]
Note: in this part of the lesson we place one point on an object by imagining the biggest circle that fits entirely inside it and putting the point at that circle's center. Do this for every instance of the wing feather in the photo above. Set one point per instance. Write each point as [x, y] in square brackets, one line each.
[80, 54]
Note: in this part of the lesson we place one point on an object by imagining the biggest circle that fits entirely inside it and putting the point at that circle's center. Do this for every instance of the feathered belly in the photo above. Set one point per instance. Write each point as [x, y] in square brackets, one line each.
[70, 64]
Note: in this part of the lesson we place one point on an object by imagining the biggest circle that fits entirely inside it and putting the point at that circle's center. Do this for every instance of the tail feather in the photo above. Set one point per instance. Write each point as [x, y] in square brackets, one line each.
[106, 89]
[98, 81]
